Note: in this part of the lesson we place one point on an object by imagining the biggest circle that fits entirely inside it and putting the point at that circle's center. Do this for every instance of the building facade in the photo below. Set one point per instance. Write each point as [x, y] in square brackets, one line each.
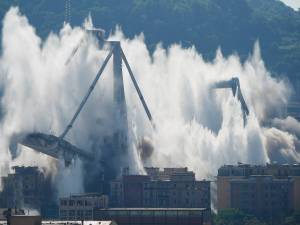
[268, 190]
[80, 207]
[155, 216]
[170, 188]
[26, 187]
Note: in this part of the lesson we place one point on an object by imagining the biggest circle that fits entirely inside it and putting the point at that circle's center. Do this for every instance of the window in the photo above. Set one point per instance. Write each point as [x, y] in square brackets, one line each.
[112, 213]
[79, 213]
[195, 213]
[123, 213]
[72, 213]
[147, 213]
[266, 195]
[183, 213]
[158, 213]
[171, 213]
[63, 202]
[63, 213]
[135, 213]
[88, 213]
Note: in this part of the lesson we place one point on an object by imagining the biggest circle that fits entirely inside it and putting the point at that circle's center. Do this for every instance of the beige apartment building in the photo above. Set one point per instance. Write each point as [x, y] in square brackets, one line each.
[260, 190]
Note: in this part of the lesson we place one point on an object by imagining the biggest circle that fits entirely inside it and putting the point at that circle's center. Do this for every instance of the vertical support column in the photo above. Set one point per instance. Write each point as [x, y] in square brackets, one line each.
[121, 124]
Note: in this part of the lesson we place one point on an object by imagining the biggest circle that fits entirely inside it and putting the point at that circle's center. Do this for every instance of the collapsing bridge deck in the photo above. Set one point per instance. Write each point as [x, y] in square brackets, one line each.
[54, 146]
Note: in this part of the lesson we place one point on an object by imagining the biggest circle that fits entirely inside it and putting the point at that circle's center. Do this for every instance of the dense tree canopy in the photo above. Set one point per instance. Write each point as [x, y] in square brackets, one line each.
[238, 217]
[234, 25]
[235, 217]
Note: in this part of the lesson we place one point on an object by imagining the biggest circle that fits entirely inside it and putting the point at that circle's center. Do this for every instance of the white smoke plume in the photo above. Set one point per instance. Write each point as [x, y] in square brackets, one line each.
[194, 126]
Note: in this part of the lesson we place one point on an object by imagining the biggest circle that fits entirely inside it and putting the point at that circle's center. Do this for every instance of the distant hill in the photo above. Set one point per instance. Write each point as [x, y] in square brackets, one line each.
[232, 24]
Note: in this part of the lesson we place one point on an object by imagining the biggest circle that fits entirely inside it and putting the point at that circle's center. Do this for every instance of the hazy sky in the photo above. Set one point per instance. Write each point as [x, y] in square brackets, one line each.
[292, 3]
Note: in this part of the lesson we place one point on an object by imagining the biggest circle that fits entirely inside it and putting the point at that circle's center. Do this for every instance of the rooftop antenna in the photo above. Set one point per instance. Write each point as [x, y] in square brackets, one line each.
[67, 11]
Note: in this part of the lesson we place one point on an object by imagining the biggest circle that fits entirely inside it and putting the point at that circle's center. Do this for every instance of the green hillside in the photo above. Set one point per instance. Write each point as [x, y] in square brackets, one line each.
[232, 24]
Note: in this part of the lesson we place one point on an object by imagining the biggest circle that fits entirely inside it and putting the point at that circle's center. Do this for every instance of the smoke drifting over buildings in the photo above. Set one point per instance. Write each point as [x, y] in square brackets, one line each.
[195, 127]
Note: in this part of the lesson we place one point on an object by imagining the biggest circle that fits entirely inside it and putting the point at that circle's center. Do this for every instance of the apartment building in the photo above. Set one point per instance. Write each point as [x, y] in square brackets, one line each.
[169, 188]
[270, 189]
[25, 187]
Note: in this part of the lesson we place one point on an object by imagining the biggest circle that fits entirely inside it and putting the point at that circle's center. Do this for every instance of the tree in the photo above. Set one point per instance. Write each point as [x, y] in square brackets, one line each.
[234, 25]
[235, 217]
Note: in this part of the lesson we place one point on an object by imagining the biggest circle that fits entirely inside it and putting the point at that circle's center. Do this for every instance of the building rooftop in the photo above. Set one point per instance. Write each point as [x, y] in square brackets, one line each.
[80, 195]
[65, 222]
[78, 223]
[169, 174]
[155, 209]
[274, 169]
